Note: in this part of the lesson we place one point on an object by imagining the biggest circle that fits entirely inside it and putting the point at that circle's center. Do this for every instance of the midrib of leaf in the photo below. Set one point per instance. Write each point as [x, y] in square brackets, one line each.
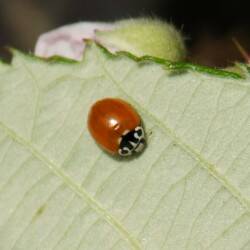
[209, 167]
[81, 192]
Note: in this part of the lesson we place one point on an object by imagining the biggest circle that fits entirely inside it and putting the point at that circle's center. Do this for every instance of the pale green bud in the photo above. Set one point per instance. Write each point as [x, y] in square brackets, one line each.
[144, 36]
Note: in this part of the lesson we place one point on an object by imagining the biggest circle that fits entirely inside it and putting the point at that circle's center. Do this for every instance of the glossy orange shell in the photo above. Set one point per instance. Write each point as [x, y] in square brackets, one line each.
[109, 119]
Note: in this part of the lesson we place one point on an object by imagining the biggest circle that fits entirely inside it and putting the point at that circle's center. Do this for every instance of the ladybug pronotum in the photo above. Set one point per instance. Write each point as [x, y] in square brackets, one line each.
[116, 126]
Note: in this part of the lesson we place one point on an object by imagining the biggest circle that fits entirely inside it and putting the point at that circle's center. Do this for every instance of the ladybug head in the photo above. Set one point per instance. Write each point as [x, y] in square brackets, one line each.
[132, 141]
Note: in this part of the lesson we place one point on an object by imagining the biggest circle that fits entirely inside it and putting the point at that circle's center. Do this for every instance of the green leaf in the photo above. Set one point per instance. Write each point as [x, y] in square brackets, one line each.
[190, 188]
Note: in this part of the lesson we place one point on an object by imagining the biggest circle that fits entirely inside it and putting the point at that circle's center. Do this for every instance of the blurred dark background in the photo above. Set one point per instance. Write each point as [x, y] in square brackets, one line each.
[208, 26]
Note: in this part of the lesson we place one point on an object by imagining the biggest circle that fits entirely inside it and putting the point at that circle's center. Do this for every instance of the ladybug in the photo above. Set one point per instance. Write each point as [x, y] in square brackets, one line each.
[116, 126]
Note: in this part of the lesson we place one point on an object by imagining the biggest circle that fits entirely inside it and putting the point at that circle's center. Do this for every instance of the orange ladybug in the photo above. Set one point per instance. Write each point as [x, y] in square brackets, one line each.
[116, 126]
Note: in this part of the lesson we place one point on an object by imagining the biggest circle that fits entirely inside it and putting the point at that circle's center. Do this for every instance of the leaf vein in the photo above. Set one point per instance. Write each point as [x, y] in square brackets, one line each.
[204, 163]
[74, 187]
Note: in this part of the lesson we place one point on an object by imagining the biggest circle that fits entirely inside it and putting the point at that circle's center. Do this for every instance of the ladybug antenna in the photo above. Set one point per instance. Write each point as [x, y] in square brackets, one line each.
[242, 51]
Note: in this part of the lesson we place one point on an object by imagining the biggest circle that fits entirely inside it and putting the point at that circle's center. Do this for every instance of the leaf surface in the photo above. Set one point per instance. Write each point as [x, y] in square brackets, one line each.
[190, 188]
